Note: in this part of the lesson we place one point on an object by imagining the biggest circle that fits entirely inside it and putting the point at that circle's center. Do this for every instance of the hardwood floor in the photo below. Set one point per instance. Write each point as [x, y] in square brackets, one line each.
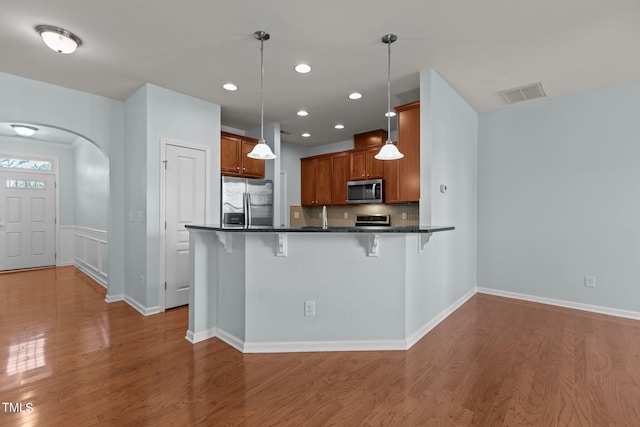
[78, 361]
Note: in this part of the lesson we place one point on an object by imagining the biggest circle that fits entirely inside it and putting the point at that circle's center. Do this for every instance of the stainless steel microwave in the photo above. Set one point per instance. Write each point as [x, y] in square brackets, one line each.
[369, 191]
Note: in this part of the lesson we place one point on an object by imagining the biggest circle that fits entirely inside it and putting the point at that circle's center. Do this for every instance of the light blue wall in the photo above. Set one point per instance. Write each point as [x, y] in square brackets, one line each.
[448, 155]
[91, 186]
[182, 118]
[98, 119]
[559, 198]
[135, 248]
[291, 155]
[66, 167]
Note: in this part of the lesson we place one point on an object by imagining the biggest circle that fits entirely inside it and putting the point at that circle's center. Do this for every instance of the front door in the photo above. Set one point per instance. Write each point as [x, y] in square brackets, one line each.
[185, 179]
[27, 220]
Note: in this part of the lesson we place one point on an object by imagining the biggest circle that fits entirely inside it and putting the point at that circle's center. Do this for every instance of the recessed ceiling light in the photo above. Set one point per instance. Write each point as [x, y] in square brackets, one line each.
[390, 114]
[62, 41]
[230, 87]
[24, 130]
[303, 113]
[306, 135]
[303, 68]
[355, 95]
[339, 126]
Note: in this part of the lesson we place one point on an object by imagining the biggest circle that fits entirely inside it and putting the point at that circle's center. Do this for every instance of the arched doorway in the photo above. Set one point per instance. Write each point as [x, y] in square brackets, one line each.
[81, 196]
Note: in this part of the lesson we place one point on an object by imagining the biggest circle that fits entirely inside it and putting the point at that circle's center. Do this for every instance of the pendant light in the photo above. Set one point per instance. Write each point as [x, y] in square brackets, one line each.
[389, 151]
[261, 151]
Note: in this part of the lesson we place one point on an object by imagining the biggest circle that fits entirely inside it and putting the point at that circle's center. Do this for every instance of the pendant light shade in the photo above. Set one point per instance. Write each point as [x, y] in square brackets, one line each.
[261, 151]
[389, 151]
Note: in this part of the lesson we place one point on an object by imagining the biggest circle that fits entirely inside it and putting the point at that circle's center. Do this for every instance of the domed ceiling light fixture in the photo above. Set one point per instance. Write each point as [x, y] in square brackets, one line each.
[261, 150]
[58, 39]
[24, 130]
[389, 151]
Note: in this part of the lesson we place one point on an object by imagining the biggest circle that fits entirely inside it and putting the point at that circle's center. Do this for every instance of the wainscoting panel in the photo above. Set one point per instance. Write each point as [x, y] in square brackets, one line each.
[91, 253]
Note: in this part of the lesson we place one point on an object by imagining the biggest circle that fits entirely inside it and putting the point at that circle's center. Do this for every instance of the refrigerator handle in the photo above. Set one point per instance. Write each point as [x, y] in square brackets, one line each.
[247, 209]
[244, 210]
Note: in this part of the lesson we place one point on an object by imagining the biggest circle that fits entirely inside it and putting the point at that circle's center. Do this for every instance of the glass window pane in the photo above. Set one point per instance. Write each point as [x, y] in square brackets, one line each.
[28, 185]
[6, 162]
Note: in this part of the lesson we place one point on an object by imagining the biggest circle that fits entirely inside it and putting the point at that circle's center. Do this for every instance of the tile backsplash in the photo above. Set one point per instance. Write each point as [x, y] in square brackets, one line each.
[402, 215]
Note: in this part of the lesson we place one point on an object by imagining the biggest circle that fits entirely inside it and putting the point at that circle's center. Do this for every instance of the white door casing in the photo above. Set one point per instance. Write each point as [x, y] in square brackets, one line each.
[184, 203]
[27, 220]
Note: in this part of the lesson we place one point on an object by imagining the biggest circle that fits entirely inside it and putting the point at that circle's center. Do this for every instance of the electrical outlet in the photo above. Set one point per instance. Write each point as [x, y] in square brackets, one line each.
[590, 281]
[346, 215]
[309, 308]
[296, 215]
[404, 215]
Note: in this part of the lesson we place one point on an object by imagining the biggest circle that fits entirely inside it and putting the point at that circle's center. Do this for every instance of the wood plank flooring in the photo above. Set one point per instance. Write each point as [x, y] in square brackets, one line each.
[79, 361]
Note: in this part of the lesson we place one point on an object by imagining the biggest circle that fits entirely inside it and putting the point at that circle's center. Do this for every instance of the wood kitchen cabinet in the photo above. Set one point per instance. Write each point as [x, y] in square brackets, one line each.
[373, 138]
[233, 157]
[364, 165]
[340, 174]
[315, 176]
[402, 177]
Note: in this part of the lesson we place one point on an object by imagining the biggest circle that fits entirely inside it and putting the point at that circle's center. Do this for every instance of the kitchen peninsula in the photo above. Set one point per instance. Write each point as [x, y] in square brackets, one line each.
[288, 289]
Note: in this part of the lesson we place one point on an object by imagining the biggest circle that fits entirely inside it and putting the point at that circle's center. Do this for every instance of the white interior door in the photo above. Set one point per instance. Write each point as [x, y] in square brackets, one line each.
[27, 220]
[185, 179]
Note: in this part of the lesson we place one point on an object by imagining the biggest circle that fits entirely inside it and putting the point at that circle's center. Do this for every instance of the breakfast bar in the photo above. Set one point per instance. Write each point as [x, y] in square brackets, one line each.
[285, 289]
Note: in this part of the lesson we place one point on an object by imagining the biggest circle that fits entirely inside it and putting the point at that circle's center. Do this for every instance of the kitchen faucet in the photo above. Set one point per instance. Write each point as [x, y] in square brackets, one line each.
[325, 221]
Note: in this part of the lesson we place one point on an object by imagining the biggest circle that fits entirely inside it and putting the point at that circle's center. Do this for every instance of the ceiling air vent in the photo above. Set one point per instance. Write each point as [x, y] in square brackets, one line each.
[523, 93]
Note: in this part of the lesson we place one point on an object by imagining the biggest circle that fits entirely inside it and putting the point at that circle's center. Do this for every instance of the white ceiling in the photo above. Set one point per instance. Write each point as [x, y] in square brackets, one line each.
[194, 46]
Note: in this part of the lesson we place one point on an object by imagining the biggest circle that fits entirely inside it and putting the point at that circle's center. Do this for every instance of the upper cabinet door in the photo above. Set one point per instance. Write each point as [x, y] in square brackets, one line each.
[364, 165]
[375, 167]
[323, 177]
[373, 138]
[358, 165]
[339, 178]
[251, 167]
[229, 154]
[233, 157]
[315, 177]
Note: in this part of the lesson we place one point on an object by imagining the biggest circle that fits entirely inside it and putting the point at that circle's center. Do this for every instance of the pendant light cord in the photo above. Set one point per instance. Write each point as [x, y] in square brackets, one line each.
[389, 92]
[262, 90]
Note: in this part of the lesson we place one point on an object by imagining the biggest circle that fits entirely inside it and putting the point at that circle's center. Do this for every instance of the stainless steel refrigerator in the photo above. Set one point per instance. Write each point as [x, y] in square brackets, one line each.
[246, 203]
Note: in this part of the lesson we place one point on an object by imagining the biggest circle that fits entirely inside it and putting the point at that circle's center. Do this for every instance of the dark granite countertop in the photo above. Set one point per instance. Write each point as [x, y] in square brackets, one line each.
[319, 229]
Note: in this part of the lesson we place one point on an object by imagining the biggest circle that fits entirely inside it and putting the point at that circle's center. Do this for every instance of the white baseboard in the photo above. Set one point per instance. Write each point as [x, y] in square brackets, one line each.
[326, 346]
[91, 273]
[114, 298]
[196, 337]
[420, 333]
[232, 340]
[145, 311]
[561, 303]
[323, 346]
